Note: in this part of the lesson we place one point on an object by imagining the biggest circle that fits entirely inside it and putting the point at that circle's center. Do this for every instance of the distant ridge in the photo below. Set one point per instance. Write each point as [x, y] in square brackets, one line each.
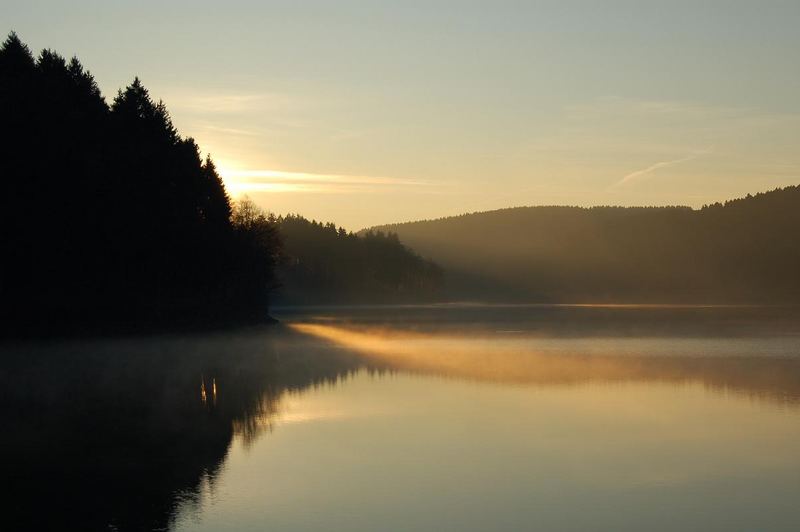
[742, 250]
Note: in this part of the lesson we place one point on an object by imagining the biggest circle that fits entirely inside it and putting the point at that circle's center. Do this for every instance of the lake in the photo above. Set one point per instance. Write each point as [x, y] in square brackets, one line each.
[450, 417]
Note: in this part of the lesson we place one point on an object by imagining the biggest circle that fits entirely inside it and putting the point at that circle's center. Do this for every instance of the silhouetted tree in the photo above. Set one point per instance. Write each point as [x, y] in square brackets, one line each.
[108, 214]
[257, 243]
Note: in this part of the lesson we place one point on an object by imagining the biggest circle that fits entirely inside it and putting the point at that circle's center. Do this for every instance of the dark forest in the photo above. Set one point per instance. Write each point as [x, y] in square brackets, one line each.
[111, 217]
[326, 264]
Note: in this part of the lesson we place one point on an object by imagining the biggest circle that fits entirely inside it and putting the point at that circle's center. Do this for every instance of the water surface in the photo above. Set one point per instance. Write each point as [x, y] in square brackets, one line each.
[417, 418]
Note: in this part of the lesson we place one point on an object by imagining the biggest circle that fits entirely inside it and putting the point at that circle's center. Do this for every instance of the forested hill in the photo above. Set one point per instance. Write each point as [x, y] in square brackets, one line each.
[743, 251]
[323, 264]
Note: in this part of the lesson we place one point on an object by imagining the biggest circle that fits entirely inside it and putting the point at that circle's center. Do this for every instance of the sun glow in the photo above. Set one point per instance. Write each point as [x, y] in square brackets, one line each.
[239, 182]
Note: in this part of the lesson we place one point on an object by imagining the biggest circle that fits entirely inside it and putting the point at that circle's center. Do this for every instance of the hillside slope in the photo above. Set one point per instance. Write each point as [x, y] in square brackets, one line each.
[745, 250]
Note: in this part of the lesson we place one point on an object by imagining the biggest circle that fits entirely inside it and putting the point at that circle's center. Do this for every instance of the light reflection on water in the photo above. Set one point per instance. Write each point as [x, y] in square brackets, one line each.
[730, 364]
[417, 452]
[478, 429]
[579, 419]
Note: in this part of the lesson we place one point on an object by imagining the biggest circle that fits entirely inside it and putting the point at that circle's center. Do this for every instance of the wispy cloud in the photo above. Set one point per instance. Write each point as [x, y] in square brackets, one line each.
[243, 181]
[208, 102]
[219, 130]
[638, 174]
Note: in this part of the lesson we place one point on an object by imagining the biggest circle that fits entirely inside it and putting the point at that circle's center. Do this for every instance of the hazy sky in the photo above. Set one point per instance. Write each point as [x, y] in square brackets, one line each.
[372, 112]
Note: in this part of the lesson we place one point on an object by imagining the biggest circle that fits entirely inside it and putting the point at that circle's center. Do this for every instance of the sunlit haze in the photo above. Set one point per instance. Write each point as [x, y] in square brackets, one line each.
[365, 113]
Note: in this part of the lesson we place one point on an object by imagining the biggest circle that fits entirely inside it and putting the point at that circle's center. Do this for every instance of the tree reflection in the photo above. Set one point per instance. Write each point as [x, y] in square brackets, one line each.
[116, 434]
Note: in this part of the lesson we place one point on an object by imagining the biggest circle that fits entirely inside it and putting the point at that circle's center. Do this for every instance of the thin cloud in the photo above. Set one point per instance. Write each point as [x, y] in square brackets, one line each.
[242, 181]
[210, 128]
[638, 174]
[218, 102]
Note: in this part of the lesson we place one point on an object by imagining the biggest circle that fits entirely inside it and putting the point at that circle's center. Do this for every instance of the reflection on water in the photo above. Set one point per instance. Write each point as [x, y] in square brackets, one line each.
[116, 433]
[417, 418]
[204, 394]
[736, 365]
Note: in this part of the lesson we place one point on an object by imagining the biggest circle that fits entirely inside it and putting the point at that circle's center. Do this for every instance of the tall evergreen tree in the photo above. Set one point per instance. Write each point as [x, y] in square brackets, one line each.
[108, 214]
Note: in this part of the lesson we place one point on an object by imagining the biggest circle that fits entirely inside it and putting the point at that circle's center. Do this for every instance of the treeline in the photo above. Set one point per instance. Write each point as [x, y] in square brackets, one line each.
[743, 251]
[108, 215]
[323, 264]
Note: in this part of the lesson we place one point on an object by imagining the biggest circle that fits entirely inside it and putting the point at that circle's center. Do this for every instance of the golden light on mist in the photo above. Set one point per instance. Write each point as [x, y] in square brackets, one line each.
[543, 360]
[491, 358]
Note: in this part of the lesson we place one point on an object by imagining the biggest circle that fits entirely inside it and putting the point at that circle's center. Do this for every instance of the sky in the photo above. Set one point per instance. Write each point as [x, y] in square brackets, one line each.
[365, 113]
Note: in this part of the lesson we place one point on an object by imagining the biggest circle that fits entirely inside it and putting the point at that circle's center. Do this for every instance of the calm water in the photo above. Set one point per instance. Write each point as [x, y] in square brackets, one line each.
[415, 418]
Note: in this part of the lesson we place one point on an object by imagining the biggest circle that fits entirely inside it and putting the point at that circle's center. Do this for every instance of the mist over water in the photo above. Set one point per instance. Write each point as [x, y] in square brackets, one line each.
[451, 417]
